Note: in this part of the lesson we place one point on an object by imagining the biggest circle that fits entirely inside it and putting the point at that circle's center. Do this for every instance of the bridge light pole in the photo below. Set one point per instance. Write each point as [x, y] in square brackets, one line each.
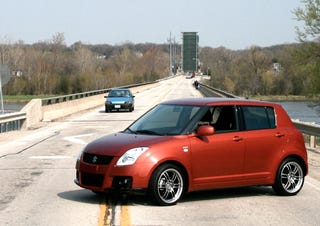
[1, 96]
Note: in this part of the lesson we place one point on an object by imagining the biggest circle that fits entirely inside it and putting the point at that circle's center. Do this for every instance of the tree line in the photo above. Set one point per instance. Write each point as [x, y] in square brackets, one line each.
[51, 67]
[275, 70]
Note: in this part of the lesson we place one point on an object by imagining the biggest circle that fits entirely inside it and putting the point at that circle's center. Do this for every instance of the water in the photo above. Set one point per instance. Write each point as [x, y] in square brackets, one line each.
[13, 107]
[304, 111]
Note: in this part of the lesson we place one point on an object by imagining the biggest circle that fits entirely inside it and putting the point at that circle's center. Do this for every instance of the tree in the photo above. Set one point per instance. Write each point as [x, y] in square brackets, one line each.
[311, 18]
[310, 55]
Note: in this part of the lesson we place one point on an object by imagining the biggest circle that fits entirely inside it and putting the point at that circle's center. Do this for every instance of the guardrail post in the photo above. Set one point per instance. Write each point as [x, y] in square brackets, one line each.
[312, 142]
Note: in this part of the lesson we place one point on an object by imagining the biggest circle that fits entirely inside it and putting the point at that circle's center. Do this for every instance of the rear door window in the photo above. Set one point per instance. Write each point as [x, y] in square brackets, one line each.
[222, 118]
[258, 117]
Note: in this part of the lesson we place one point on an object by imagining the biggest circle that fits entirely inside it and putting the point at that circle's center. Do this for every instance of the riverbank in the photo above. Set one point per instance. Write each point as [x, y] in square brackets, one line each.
[283, 98]
[22, 98]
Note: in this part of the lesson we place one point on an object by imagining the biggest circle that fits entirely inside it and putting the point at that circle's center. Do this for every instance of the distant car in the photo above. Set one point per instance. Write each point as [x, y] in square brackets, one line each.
[119, 99]
[198, 144]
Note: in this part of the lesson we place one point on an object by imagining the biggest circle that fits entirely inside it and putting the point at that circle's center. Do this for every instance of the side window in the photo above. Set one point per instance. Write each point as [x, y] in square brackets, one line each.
[222, 118]
[258, 117]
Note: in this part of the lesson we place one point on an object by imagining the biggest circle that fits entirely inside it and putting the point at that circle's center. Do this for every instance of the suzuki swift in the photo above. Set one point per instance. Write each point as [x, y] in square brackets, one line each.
[198, 144]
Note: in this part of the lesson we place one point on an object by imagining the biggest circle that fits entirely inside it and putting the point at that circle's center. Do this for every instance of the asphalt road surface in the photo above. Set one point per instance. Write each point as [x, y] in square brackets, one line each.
[37, 173]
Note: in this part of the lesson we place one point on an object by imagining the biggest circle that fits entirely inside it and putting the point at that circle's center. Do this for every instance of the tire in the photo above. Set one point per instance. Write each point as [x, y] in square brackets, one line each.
[289, 178]
[167, 185]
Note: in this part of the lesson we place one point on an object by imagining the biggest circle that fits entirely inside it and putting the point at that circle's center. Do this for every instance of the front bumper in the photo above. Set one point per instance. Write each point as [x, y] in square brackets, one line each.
[126, 106]
[111, 177]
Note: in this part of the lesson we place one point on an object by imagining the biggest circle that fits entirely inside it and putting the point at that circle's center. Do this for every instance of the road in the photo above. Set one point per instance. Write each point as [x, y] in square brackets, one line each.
[37, 172]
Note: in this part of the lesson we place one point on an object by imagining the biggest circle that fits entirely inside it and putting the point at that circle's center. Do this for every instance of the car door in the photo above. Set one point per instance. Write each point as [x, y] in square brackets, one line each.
[264, 141]
[218, 160]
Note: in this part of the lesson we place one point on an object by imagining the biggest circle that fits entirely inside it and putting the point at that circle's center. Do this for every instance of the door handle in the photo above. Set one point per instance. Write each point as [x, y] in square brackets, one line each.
[279, 134]
[237, 138]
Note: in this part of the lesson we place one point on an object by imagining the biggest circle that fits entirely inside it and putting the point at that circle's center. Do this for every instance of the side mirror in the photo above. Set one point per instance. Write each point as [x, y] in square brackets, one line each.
[205, 130]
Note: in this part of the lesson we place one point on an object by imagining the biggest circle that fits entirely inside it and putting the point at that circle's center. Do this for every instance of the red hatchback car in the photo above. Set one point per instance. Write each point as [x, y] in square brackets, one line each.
[197, 144]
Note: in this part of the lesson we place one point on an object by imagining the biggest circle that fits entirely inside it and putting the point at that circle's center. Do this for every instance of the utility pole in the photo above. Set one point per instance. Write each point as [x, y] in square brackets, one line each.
[1, 96]
[170, 54]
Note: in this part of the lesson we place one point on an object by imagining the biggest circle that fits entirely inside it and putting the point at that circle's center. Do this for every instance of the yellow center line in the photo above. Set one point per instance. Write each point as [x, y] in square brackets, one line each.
[104, 216]
[125, 216]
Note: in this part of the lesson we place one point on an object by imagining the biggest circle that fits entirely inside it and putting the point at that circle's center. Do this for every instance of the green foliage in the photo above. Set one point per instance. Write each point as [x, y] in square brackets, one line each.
[309, 35]
[310, 16]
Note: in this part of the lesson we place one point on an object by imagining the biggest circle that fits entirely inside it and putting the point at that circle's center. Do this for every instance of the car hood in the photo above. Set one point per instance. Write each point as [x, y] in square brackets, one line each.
[118, 143]
[119, 99]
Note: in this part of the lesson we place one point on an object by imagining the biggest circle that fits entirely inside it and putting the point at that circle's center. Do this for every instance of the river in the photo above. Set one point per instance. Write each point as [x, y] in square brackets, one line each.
[303, 111]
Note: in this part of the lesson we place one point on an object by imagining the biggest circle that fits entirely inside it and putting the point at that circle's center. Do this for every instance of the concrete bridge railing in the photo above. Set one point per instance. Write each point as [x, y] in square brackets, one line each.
[50, 109]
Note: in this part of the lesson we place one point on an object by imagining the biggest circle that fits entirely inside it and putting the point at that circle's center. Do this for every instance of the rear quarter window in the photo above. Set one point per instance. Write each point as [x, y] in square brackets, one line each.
[258, 117]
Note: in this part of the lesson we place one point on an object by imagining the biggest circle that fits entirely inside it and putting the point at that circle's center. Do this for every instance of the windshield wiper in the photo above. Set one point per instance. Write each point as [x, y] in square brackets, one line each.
[144, 131]
[131, 131]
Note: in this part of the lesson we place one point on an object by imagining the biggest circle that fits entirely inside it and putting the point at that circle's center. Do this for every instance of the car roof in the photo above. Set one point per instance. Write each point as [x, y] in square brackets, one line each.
[211, 101]
[119, 89]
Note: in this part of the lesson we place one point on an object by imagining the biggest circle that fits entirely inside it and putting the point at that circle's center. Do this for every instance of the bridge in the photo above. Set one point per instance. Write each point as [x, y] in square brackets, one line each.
[37, 171]
[38, 111]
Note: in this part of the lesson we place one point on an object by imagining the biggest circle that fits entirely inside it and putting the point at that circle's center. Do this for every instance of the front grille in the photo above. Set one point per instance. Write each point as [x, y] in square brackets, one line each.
[97, 159]
[90, 179]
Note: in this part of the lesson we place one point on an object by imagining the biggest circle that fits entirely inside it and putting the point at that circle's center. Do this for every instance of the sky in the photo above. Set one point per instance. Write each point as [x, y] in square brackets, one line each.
[234, 24]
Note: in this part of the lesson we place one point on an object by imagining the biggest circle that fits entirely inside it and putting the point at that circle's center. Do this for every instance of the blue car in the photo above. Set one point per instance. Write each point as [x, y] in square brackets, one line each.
[119, 98]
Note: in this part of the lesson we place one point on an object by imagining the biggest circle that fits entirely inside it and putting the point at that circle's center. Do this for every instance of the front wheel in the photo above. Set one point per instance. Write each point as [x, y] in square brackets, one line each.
[167, 185]
[289, 178]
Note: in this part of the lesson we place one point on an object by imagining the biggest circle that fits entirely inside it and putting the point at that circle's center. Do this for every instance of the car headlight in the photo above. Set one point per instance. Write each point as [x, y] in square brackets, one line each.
[131, 156]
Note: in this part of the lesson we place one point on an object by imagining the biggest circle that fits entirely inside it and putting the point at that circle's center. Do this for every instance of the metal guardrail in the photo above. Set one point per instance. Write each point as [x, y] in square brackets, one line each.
[11, 121]
[311, 132]
[209, 91]
[64, 98]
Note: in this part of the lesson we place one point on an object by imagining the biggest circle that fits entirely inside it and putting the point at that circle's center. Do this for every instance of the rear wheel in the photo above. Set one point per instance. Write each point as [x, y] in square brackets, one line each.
[167, 185]
[289, 178]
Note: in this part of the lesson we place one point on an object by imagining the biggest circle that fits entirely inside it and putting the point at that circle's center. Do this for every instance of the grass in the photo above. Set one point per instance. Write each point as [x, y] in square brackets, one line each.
[23, 98]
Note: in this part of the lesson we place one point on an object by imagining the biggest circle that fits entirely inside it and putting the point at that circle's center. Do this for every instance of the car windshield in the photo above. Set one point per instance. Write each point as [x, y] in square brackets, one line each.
[119, 93]
[167, 120]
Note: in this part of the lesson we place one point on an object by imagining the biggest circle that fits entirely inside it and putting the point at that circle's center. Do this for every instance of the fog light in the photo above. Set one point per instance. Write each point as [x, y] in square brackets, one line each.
[122, 183]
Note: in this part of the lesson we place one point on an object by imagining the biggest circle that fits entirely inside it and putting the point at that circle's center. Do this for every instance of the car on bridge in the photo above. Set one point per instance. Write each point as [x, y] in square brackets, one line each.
[119, 98]
[195, 144]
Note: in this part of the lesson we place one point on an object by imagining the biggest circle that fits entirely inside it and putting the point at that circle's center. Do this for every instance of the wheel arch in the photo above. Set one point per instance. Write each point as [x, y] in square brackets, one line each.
[299, 159]
[178, 164]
